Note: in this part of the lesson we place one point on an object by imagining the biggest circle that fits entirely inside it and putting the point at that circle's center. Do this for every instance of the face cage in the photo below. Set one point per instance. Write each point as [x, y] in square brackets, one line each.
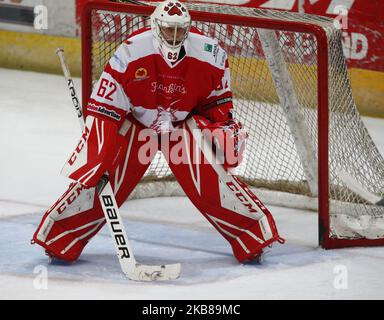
[174, 45]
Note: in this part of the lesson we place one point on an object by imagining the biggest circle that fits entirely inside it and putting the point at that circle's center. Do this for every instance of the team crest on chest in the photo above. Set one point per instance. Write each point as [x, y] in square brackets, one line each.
[141, 74]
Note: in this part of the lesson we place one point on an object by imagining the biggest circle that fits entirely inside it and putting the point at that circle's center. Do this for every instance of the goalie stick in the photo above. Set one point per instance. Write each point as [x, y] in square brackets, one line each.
[132, 269]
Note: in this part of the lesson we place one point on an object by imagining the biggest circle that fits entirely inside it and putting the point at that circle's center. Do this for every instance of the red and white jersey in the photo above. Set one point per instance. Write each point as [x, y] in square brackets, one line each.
[139, 83]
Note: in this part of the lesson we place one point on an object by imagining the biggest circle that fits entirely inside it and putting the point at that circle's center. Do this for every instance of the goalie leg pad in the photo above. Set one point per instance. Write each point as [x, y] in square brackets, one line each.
[94, 152]
[77, 216]
[228, 204]
[70, 223]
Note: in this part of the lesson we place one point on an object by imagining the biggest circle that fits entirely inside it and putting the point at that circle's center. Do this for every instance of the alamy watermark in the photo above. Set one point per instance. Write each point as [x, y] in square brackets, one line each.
[340, 281]
[40, 282]
[41, 17]
[182, 146]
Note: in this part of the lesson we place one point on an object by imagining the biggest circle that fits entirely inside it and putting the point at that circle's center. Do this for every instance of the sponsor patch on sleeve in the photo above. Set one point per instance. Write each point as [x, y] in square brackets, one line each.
[104, 111]
[208, 47]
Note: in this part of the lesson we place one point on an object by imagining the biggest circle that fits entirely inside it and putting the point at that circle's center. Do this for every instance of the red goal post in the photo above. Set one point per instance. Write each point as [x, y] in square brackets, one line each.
[322, 34]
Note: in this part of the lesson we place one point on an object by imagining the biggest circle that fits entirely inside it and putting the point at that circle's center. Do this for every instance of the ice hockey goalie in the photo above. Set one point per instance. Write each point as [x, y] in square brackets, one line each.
[165, 88]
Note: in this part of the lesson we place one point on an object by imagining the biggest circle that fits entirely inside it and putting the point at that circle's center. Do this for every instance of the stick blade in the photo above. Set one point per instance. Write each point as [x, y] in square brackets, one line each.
[155, 273]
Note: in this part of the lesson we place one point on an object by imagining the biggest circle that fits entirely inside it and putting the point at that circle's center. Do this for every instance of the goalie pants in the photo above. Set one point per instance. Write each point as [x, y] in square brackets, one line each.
[225, 201]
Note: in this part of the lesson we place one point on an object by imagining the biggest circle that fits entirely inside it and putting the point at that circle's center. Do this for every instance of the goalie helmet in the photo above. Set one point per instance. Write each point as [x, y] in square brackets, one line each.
[170, 23]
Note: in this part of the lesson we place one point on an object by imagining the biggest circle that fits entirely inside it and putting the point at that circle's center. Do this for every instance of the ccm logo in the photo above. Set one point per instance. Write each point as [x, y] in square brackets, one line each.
[79, 147]
[241, 197]
[69, 200]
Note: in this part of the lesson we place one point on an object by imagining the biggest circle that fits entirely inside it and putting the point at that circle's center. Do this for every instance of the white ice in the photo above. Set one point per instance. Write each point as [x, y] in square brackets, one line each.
[38, 128]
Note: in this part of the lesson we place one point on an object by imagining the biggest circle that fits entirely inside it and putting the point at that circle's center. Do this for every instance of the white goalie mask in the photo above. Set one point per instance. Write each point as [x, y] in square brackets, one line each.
[170, 23]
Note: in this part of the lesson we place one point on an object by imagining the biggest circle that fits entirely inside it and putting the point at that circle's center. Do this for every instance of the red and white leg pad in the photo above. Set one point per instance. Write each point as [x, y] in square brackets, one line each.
[77, 216]
[232, 208]
[70, 223]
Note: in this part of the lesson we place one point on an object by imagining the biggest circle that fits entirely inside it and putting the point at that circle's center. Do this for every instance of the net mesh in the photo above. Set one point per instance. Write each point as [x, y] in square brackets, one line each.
[271, 160]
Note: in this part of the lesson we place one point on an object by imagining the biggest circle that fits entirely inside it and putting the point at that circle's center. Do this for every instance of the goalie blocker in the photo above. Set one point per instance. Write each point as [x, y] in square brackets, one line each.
[225, 201]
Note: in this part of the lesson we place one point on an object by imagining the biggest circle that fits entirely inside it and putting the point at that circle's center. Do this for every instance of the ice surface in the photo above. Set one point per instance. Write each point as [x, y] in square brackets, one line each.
[37, 130]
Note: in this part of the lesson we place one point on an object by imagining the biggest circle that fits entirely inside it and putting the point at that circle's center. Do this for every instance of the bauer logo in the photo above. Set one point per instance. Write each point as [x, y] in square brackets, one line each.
[115, 226]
